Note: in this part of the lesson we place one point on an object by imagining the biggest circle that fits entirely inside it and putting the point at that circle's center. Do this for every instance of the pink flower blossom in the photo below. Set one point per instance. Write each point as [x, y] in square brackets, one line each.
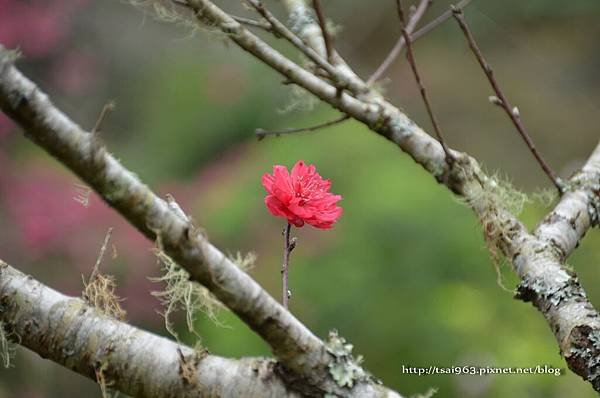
[302, 196]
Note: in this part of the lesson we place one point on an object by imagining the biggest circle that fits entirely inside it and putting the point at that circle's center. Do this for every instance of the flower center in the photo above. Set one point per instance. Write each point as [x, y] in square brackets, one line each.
[303, 198]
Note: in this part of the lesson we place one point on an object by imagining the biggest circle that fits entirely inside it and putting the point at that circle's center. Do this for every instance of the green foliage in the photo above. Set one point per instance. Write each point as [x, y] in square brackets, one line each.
[344, 368]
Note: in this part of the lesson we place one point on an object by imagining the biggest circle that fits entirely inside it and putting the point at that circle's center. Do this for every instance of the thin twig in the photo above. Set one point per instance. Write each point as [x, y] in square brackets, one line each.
[439, 20]
[243, 20]
[261, 134]
[253, 22]
[412, 23]
[288, 246]
[278, 28]
[181, 3]
[502, 100]
[108, 107]
[324, 31]
[411, 60]
[96, 268]
[414, 35]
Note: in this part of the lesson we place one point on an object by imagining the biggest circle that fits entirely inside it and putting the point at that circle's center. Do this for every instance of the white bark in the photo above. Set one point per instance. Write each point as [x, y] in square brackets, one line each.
[138, 363]
[304, 23]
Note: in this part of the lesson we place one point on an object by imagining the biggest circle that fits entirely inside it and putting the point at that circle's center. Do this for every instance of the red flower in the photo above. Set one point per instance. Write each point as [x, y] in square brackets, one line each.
[302, 197]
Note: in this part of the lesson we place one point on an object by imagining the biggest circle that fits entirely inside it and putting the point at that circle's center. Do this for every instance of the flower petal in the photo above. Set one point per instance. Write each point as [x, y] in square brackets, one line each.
[301, 196]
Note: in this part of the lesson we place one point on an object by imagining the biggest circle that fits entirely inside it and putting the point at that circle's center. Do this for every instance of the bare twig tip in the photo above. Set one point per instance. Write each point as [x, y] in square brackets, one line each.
[106, 110]
[324, 31]
[501, 100]
[261, 133]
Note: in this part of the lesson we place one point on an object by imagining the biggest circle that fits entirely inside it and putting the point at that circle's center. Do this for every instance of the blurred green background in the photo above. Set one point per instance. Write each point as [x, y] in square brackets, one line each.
[404, 275]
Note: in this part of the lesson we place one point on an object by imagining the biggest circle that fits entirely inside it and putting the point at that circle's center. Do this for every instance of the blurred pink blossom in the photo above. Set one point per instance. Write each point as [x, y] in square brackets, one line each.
[36, 27]
[39, 29]
[75, 73]
[43, 211]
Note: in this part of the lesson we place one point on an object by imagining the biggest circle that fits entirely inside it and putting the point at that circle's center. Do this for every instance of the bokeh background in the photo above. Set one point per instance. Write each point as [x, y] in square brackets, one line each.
[404, 275]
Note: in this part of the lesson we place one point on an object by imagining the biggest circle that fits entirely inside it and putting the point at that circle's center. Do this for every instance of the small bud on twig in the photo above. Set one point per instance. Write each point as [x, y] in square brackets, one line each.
[293, 243]
[495, 100]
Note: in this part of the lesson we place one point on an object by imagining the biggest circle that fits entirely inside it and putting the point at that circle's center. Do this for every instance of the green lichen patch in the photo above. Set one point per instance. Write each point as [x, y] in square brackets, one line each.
[10, 55]
[427, 394]
[344, 369]
[299, 100]
[591, 185]
[245, 261]
[496, 203]
[7, 349]
[546, 197]
[179, 293]
[594, 207]
[166, 12]
[583, 356]
[536, 290]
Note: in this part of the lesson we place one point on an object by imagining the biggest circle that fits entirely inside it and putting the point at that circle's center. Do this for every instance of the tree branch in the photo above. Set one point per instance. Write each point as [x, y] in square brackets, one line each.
[410, 27]
[261, 133]
[556, 293]
[280, 29]
[304, 357]
[305, 25]
[138, 363]
[503, 100]
[254, 23]
[535, 258]
[399, 46]
[324, 31]
[413, 65]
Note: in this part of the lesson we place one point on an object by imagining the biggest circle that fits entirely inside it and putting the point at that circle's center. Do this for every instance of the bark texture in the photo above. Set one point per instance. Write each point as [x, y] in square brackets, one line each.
[141, 364]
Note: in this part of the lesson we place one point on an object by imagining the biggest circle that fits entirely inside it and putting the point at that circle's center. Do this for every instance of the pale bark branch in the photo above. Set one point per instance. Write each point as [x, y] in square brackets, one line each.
[69, 332]
[303, 356]
[324, 31]
[555, 291]
[544, 281]
[279, 28]
[304, 23]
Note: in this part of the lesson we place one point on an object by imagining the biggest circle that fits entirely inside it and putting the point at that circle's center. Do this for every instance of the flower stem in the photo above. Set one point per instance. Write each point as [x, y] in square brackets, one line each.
[287, 249]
